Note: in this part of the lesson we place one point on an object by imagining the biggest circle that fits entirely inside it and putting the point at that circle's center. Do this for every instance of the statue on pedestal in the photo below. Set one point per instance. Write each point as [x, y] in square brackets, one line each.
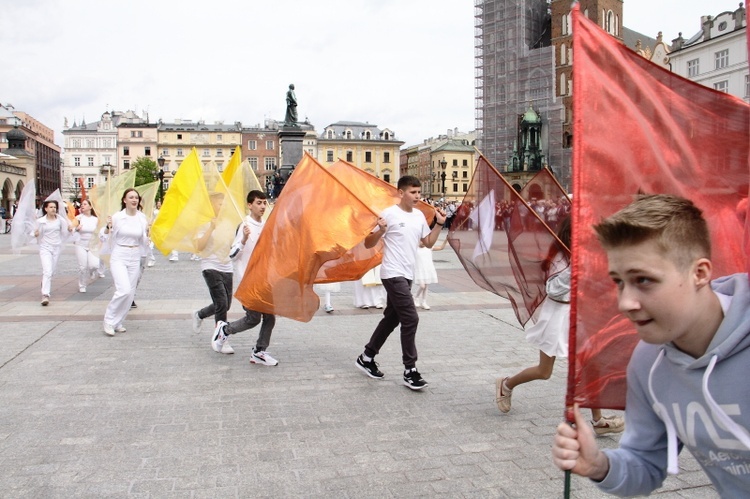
[291, 107]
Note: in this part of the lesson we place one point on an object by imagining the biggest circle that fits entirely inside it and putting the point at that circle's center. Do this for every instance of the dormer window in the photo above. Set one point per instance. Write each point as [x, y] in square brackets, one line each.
[329, 134]
[368, 135]
[348, 134]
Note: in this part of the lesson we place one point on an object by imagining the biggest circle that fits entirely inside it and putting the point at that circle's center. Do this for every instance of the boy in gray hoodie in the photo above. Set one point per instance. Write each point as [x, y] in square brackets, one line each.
[687, 378]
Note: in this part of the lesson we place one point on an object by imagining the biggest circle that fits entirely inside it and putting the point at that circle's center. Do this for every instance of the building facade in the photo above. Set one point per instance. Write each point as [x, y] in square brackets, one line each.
[34, 156]
[213, 143]
[716, 56]
[260, 147]
[366, 146]
[424, 162]
[90, 153]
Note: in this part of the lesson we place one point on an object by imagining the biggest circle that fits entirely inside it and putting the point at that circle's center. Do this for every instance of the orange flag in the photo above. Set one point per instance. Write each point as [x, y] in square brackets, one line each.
[83, 189]
[638, 127]
[317, 219]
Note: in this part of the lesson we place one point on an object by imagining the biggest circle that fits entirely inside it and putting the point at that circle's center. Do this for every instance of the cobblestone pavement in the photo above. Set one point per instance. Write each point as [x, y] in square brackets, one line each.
[154, 412]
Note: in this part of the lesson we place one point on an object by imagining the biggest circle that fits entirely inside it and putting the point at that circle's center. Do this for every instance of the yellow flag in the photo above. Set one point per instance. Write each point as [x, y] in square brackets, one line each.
[232, 166]
[148, 194]
[186, 207]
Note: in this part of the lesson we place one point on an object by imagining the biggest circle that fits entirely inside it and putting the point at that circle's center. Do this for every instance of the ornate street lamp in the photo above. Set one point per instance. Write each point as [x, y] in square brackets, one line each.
[161, 178]
[443, 164]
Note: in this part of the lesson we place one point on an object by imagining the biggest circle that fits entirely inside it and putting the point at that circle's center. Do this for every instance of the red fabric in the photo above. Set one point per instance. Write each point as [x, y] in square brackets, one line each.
[638, 127]
[501, 242]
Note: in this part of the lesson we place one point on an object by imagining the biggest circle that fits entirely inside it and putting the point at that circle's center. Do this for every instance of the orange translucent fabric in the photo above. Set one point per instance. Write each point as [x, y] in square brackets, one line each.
[638, 127]
[501, 241]
[321, 216]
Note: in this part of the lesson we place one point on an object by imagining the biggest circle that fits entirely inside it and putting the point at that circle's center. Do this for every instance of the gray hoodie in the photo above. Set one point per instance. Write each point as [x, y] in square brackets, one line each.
[675, 400]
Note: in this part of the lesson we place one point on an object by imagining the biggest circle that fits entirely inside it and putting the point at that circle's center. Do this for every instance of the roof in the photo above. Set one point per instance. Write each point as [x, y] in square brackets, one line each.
[453, 145]
[630, 38]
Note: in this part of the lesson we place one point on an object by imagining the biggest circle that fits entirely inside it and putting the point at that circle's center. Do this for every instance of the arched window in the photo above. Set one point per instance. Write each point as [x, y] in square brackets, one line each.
[386, 136]
[368, 135]
[617, 25]
[563, 54]
[564, 24]
[562, 84]
[586, 13]
[610, 27]
[348, 134]
[329, 134]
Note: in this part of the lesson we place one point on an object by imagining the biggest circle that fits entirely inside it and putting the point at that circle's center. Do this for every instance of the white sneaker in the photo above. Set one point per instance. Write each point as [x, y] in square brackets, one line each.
[219, 338]
[197, 321]
[101, 274]
[425, 305]
[45, 300]
[120, 329]
[109, 329]
[263, 358]
[81, 289]
[227, 348]
[328, 309]
[151, 263]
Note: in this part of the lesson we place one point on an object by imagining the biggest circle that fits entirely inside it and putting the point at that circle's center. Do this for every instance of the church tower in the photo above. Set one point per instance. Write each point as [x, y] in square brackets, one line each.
[608, 15]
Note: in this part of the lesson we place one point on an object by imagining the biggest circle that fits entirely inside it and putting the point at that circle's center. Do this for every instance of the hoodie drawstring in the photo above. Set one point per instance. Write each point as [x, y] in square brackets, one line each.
[661, 412]
[739, 432]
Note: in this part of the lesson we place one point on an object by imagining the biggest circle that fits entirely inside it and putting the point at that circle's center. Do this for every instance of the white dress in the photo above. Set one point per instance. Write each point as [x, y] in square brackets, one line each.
[550, 333]
[369, 291]
[424, 268]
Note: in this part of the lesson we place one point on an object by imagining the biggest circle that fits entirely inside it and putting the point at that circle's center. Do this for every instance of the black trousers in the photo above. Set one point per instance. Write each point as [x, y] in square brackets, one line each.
[220, 288]
[399, 309]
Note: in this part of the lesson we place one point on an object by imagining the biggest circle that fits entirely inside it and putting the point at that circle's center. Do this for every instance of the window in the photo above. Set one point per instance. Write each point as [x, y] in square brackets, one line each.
[349, 156]
[89, 143]
[147, 150]
[220, 166]
[126, 164]
[329, 134]
[348, 134]
[206, 153]
[253, 163]
[329, 156]
[77, 161]
[126, 151]
[455, 187]
[77, 143]
[693, 68]
[179, 136]
[386, 157]
[465, 174]
[465, 162]
[387, 177]
[90, 160]
[220, 153]
[386, 136]
[564, 24]
[165, 152]
[136, 133]
[270, 163]
[90, 182]
[466, 187]
[455, 162]
[722, 86]
[269, 145]
[721, 59]
[562, 83]
[747, 86]
[179, 152]
[219, 137]
[368, 156]
[563, 54]
[252, 145]
[368, 135]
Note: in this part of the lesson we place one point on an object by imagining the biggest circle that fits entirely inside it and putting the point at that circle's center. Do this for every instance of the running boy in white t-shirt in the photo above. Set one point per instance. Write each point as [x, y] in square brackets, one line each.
[401, 227]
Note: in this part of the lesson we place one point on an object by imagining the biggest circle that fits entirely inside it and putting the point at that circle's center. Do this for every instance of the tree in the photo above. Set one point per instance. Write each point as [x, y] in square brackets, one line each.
[146, 170]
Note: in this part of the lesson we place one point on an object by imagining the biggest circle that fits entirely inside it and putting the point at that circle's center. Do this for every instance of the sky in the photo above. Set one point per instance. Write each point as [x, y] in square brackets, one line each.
[406, 65]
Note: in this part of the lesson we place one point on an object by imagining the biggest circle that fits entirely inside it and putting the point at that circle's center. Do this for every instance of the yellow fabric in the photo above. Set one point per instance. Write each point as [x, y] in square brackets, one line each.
[148, 194]
[232, 166]
[186, 207]
[226, 220]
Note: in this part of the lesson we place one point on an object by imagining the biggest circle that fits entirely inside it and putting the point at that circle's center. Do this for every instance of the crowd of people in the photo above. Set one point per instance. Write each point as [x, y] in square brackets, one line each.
[694, 330]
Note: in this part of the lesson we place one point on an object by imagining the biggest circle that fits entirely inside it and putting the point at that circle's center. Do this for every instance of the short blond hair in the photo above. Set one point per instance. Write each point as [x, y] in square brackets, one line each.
[675, 223]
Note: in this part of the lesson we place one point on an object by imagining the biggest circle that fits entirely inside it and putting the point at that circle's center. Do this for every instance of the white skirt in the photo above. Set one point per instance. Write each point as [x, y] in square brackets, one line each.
[550, 333]
[369, 296]
[424, 268]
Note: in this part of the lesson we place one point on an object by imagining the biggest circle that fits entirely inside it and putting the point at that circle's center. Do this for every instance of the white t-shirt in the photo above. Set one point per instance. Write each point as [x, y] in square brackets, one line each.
[130, 230]
[241, 253]
[212, 256]
[87, 228]
[401, 239]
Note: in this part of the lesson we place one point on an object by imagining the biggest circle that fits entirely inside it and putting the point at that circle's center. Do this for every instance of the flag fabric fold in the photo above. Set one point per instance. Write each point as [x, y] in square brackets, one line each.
[502, 242]
[671, 136]
[316, 219]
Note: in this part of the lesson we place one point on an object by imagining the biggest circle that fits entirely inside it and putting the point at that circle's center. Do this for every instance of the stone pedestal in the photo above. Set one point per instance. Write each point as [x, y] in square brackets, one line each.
[290, 142]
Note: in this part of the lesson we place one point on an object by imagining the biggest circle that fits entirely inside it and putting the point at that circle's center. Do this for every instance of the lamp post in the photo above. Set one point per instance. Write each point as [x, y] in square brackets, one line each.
[432, 183]
[161, 178]
[443, 164]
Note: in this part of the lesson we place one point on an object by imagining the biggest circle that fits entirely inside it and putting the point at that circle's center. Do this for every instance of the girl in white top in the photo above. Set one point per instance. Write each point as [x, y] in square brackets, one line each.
[51, 231]
[88, 263]
[127, 243]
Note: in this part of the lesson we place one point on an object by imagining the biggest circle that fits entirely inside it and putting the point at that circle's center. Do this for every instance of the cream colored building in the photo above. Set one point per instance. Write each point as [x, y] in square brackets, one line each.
[366, 146]
[213, 143]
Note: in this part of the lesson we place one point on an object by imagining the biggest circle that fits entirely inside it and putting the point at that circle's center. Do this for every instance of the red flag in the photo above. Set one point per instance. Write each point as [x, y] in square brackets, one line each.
[501, 241]
[638, 127]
